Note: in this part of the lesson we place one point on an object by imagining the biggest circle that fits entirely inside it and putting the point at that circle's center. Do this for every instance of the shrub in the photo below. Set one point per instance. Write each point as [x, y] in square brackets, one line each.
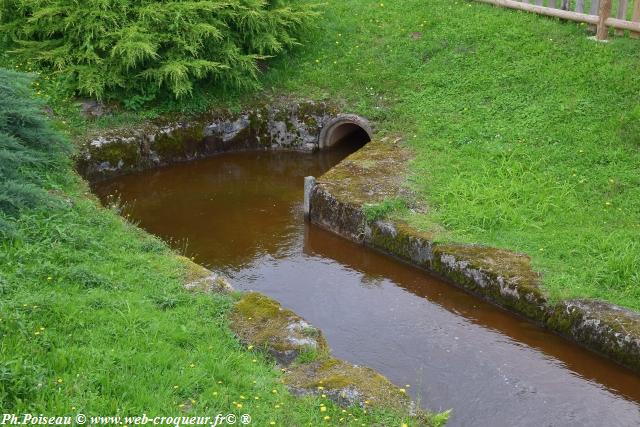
[135, 50]
[29, 149]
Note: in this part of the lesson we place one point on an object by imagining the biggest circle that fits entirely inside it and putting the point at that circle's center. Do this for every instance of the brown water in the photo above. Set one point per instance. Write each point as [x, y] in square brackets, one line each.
[241, 215]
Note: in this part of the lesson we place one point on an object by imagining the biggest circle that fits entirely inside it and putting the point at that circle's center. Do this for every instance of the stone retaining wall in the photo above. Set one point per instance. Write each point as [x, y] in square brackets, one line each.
[281, 126]
[338, 202]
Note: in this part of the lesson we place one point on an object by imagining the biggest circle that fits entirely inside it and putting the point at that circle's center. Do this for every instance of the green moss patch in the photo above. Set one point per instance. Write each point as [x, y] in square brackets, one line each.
[302, 351]
[347, 384]
[260, 321]
[370, 175]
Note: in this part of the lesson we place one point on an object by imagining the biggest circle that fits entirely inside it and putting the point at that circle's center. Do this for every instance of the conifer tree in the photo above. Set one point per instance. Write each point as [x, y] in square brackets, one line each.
[29, 149]
[117, 49]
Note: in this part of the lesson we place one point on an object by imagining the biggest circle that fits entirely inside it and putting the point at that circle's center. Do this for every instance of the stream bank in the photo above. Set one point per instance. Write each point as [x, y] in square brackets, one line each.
[376, 173]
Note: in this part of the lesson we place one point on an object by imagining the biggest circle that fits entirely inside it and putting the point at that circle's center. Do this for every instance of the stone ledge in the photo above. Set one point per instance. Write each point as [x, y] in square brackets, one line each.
[302, 352]
[376, 172]
[280, 125]
[261, 322]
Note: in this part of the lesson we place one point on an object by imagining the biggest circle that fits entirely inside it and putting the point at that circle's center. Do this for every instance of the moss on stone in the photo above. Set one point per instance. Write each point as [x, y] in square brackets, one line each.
[604, 327]
[497, 262]
[261, 321]
[192, 271]
[356, 384]
[124, 152]
[179, 143]
[370, 175]
[196, 278]
[178, 137]
[500, 276]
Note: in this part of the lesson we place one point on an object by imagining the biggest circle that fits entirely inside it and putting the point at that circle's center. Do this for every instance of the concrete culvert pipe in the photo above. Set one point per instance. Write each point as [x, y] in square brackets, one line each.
[345, 129]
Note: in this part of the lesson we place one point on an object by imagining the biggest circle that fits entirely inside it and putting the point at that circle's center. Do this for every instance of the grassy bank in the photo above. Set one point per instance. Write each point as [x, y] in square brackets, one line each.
[94, 318]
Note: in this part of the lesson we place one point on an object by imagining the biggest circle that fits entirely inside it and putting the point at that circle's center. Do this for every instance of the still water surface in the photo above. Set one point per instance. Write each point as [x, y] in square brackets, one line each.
[241, 214]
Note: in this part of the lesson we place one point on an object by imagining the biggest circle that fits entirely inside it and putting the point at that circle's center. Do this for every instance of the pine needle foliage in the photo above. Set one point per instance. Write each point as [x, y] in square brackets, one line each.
[29, 149]
[134, 50]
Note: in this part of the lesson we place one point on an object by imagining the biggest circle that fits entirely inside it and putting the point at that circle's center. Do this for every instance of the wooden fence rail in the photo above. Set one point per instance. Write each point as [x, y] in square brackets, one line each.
[599, 16]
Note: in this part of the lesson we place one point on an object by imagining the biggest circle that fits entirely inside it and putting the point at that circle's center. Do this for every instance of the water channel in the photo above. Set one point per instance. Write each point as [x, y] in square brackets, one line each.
[240, 214]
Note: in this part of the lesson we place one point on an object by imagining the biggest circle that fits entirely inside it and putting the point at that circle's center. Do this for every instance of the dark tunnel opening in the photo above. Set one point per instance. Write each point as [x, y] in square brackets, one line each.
[349, 133]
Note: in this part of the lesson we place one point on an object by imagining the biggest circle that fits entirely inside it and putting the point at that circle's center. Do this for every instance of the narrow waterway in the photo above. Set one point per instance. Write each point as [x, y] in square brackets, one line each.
[240, 214]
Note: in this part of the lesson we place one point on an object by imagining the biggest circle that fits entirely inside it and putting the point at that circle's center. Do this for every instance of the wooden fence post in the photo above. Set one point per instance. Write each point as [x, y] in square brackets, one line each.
[595, 6]
[604, 13]
[636, 17]
[622, 14]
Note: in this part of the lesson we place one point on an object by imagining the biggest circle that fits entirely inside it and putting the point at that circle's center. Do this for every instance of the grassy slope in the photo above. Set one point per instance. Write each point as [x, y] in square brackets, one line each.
[526, 133]
[94, 319]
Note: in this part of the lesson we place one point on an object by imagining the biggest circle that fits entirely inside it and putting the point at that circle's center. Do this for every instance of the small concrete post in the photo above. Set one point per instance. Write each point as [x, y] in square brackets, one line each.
[309, 183]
